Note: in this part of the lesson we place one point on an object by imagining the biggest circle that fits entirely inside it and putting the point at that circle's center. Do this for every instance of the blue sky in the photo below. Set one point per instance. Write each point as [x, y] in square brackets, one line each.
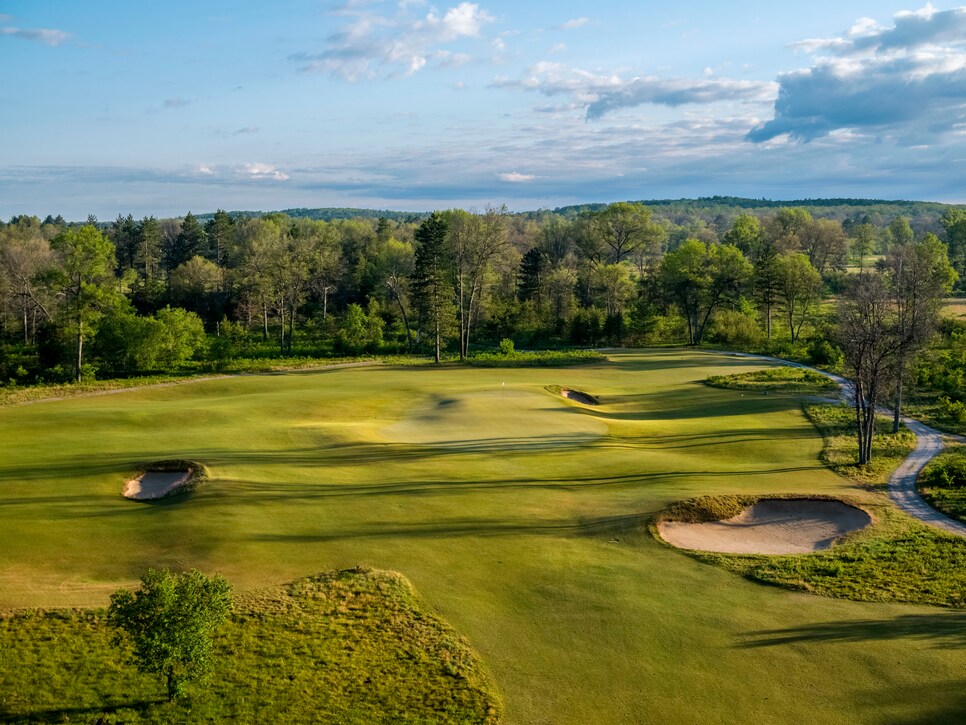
[160, 108]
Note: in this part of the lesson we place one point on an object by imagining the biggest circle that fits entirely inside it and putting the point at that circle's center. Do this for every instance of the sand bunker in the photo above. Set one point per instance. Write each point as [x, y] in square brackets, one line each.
[156, 484]
[771, 526]
[579, 397]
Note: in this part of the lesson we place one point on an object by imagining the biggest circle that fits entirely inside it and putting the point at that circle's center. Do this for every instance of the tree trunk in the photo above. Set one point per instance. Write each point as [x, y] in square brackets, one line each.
[897, 408]
[291, 327]
[265, 321]
[402, 309]
[281, 328]
[80, 349]
[438, 335]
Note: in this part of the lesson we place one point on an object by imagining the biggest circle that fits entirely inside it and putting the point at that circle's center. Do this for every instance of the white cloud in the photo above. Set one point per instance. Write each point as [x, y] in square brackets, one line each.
[575, 23]
[602, 94]
[558, 48]
[370, 42]
[48, 36]
[264, 171]
[205, 170]
[515, 178]
[906, 81]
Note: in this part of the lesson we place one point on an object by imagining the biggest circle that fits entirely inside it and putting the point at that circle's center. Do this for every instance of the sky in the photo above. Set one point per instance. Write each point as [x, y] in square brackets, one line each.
[111, 107]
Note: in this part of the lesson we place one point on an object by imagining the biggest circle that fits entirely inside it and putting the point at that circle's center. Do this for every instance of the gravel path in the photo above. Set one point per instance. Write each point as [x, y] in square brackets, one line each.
[902, 485]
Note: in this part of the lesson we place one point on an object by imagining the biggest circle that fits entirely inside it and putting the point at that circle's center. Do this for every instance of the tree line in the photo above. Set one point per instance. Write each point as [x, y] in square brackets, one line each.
[133, 296]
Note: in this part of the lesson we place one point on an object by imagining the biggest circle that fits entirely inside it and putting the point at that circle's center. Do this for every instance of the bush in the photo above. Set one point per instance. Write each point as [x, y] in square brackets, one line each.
[506, 347]
[735, 330]
[946, 472]
[952, 410]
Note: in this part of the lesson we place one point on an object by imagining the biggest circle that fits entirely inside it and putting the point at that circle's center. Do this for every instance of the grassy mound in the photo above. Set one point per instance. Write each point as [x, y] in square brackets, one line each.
[352, 646]
[943, 482]
[776, 380]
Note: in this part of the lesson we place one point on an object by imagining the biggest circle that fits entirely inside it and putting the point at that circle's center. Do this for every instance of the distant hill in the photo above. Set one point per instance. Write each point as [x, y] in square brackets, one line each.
[328, 214]
[717, 211]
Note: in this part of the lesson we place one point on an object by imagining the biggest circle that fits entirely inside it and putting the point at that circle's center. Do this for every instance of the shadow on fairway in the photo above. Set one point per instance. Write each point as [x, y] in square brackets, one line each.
[939, 703]
[82, 714]
[610, 526]
[943, 630]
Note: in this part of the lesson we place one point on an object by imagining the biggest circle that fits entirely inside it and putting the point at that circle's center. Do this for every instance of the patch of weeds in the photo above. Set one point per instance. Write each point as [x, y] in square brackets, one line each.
[840, 452]
[943, 482]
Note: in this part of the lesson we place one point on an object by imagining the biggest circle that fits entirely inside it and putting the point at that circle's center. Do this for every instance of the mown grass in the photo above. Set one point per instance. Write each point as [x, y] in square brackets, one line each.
[521, 520]
[352, 646]
[897, 559]
[948, 497]
[783, 379]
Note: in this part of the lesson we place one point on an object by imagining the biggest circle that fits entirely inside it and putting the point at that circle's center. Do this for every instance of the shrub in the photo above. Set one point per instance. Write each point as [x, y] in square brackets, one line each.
[506, 346]
[946, 472]
[735, 330]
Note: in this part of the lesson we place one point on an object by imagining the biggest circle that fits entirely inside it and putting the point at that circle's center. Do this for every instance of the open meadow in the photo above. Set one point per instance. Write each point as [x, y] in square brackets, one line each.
[519, 516]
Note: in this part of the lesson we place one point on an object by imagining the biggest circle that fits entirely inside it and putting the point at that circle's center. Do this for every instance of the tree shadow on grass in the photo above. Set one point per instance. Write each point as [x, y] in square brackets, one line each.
[78, 714]
[938, 703]
[944, 630]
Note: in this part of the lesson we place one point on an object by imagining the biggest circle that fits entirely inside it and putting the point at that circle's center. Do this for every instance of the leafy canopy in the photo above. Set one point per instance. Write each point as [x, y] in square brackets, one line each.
[171, 621]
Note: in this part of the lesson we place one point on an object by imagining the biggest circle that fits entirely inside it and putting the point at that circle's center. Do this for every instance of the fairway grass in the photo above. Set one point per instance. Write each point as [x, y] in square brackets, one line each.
[531, 541]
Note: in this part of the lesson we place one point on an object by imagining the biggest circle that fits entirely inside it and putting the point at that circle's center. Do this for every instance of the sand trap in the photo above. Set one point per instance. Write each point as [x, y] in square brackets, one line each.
[771, 526]
[579, 397]
[155, 484]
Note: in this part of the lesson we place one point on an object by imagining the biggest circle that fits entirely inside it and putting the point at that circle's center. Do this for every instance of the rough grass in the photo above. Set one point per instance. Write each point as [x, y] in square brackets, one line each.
[349, 647]
[950, 499]
[837, 425]
[783, 379]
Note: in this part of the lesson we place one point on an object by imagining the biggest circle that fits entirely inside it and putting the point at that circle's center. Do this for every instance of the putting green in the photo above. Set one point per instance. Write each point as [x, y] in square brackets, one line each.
[530, 539]
[498, 418]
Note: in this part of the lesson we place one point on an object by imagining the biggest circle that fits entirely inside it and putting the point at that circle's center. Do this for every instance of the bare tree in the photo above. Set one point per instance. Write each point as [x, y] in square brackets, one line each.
[869, 335]
[920, 276]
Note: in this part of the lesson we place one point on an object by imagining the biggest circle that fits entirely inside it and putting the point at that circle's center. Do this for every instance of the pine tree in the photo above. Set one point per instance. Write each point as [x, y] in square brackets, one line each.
[431, 288]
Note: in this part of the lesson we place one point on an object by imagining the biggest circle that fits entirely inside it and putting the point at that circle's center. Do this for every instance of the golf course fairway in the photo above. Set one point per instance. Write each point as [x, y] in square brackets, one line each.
[519, 517]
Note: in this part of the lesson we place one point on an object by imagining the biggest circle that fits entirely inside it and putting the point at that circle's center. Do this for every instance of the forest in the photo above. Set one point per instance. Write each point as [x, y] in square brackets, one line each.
[222, 291]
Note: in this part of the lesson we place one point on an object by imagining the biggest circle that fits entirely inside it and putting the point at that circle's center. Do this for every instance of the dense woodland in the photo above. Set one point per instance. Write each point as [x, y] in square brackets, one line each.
[142, 296]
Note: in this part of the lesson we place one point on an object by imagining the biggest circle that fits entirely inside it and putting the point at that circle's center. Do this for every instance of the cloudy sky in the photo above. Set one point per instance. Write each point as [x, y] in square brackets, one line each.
[111, 107]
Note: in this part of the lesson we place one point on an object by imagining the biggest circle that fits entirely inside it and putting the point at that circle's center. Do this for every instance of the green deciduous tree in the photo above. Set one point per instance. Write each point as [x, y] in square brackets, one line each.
[799, 287]
[171, 621]
[746, 234]
[700, 277]
[920, 276]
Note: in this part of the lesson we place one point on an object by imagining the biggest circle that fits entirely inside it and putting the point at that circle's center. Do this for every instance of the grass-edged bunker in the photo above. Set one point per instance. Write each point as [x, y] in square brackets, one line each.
[164, 478]
[770, 526]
